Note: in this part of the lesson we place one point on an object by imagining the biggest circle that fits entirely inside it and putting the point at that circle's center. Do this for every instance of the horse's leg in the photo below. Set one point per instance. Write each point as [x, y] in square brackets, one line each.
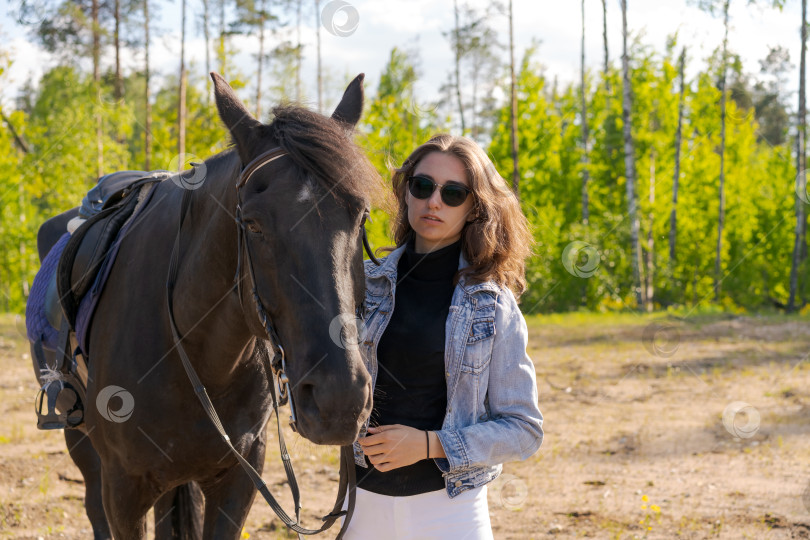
[178, 513]
[86, 459]
[229, 498]
[127, 499]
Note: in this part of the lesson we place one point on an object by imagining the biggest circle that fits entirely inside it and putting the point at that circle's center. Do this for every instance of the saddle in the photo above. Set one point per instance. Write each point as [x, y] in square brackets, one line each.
[106, 208]
[83, 265]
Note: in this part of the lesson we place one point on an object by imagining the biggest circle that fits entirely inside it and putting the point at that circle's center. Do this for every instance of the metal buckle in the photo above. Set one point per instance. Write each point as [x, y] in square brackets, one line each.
[283, 385]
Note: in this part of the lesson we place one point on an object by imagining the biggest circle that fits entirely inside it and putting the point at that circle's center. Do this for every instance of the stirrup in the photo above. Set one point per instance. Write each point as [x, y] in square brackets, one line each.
[62, 396]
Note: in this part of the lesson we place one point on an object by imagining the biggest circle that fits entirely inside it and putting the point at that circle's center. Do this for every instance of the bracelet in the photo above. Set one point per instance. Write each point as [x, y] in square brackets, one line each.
[427, 440]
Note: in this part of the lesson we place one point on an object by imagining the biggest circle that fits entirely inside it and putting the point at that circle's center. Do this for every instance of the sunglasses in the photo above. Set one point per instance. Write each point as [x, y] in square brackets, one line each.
[423, 187]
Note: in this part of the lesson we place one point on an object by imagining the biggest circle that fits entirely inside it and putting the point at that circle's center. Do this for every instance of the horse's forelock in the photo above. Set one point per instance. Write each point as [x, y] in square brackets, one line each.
[326, 151]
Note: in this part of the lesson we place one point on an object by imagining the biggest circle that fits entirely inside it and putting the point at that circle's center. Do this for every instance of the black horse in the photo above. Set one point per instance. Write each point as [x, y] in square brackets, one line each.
[302, 217]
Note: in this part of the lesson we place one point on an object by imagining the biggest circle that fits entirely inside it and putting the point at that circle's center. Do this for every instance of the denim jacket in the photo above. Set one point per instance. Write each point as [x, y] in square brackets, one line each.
[492, 413]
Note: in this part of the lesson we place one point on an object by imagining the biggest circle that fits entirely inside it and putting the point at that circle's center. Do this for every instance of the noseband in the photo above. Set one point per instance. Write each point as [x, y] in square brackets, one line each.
[280, 390]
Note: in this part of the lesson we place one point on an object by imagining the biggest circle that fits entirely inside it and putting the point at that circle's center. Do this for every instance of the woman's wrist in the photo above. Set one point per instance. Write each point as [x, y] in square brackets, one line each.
[436, 450]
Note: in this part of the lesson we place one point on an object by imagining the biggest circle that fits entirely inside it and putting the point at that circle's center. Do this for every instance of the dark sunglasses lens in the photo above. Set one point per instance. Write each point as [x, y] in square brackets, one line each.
[421, 187]
[454, 195]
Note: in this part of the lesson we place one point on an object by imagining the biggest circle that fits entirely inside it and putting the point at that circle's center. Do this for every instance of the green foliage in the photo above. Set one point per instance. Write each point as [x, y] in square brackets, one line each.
[758, 233]
[395, 122]
[575, 265]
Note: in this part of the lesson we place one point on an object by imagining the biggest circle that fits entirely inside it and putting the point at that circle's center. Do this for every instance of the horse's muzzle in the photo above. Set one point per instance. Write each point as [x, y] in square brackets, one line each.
[332, 412]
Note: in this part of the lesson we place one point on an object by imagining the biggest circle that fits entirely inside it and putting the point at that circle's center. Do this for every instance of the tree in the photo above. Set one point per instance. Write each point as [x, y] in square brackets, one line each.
[253, 17]
[722, 198]
[800, 242]
[318, 54]
[181, 99]
[457, 54]
[629, 161]
[513, 112]
[206, 26]
[147, 98]
[605, 45]
[673, 219]
[583, 121]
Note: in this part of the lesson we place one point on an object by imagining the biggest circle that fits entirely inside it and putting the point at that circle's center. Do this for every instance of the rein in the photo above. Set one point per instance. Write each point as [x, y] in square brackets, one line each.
[278, 368]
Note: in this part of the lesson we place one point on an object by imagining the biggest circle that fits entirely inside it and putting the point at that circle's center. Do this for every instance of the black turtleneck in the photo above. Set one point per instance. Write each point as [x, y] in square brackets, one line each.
[411, 387]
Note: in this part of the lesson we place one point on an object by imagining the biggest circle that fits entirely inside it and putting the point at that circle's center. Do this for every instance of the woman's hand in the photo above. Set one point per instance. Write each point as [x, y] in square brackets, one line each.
[394, 446]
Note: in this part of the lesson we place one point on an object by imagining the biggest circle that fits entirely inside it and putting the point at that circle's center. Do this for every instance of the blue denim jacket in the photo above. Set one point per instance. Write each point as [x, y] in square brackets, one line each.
[492, 414]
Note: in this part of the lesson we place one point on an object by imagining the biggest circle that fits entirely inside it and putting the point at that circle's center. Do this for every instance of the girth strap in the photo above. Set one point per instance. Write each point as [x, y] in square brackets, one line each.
[347, 483]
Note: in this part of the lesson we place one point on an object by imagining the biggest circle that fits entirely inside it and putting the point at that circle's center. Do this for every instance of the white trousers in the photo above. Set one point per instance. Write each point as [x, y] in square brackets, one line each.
[427, 516]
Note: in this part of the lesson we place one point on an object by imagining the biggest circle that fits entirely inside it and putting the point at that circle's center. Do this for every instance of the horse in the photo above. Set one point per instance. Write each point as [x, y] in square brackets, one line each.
[295, 253]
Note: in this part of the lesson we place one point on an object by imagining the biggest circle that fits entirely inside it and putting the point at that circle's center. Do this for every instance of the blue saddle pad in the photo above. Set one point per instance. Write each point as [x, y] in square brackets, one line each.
[36, 320]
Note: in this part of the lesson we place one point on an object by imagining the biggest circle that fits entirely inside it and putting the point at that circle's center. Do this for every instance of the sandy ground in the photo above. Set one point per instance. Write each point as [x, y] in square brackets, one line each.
[640, 413]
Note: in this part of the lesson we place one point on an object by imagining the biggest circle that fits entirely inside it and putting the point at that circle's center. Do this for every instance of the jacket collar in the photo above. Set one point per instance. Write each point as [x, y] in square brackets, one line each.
[388, 269]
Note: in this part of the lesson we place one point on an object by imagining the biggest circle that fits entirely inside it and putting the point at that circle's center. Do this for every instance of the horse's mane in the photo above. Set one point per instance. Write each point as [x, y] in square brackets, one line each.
[325, 150]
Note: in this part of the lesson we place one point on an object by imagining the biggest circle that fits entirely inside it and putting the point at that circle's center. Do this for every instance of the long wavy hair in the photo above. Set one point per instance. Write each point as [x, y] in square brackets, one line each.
[497, 242]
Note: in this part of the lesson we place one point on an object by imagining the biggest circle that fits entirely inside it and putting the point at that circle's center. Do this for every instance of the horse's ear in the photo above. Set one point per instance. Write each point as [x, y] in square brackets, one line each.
[350, 107]
[236, 117]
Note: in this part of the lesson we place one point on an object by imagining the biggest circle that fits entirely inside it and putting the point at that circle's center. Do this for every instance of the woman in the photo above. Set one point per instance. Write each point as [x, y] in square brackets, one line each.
[445, 343]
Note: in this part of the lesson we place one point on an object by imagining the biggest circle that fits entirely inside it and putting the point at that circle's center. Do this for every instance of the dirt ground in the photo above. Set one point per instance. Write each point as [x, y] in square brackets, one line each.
[655, 427]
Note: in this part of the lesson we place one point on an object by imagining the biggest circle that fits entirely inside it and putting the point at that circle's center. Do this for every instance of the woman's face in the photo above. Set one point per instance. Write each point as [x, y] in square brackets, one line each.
[435, 223]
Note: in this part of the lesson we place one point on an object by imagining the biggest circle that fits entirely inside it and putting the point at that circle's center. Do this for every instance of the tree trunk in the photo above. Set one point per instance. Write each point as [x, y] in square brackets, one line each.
[318, 35]
[119, 80]
[458, 68]
[181, 101]
[298, 52]
[147, 143]
[261, 61]
[584, 123]
[673, 216]
[207, 38]
[221, 55]
[721, 214]
[473, 105]
[649, 275]
[800, 242]
[97, 87]
[630, 163]
[605, 44]
[513, 109]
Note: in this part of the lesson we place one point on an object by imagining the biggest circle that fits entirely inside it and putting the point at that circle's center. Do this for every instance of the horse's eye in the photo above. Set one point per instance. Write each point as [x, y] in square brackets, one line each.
[253, 227]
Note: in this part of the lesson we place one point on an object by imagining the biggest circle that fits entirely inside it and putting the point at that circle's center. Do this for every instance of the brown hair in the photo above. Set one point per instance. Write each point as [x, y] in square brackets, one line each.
[498, 241]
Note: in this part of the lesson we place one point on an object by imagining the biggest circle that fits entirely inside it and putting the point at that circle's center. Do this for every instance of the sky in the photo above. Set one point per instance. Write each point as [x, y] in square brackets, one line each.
[358, 35]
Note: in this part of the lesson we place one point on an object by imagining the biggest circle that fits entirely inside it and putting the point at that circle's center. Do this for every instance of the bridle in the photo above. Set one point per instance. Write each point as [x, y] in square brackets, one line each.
[280, 390]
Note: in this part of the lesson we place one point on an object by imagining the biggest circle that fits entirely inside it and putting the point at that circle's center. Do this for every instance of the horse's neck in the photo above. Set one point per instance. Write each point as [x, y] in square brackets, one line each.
[205, 296]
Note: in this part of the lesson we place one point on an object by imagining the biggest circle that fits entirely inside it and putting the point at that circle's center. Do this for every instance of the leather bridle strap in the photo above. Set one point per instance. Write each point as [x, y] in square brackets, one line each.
[347, 483]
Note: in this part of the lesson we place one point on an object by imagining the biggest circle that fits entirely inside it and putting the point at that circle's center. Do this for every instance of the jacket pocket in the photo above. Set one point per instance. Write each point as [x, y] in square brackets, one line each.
[478, 351]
